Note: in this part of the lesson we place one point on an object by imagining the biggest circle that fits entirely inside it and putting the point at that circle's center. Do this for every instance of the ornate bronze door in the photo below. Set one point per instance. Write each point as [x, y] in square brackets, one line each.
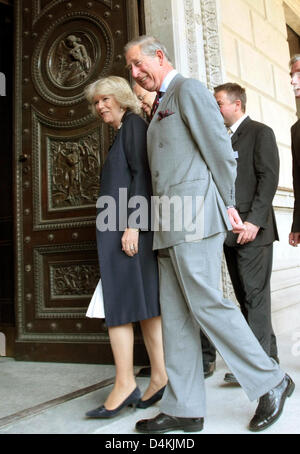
[61, 46]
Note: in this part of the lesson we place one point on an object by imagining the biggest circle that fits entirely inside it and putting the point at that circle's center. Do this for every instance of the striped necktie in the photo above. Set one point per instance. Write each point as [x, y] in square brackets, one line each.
[156, 103]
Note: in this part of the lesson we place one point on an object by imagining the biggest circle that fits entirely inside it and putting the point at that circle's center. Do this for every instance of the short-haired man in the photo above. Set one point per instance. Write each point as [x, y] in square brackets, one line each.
[190, 156]
[249, 255]
[294, 237]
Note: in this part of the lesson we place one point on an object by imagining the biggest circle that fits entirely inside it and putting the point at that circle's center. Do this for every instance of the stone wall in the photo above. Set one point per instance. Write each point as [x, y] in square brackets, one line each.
[255, 54]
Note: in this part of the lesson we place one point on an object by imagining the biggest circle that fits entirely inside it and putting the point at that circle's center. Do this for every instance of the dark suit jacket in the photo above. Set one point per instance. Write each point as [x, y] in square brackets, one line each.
[296, 174]
[257, 179]
[130, 284]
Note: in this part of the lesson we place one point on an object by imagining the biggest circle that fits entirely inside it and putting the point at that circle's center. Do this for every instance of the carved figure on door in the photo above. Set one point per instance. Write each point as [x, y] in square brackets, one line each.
[73, 63]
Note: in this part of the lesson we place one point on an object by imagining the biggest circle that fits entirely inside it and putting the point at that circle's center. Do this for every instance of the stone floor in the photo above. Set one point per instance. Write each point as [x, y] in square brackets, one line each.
[52, 398]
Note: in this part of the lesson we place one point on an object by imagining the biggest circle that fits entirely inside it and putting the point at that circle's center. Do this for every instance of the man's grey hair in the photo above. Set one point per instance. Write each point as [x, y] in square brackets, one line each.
[294, 59]
[149, 45]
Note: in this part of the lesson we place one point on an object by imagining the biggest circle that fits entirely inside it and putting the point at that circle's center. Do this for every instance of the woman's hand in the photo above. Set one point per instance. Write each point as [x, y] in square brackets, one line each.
[130, 242]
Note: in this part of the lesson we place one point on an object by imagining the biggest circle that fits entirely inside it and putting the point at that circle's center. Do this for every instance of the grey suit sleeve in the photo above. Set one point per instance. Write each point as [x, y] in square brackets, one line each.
[201, 114]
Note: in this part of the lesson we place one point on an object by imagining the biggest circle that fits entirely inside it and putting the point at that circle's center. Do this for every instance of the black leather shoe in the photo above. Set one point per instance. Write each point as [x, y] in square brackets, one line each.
[152, 400]
[102, 412]
[208, 369]
[230, 378]
[144, 372]
[271, 405]
[164, 423]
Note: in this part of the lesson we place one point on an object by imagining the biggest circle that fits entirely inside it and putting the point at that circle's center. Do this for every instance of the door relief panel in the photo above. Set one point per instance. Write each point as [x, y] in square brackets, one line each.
[61, 46]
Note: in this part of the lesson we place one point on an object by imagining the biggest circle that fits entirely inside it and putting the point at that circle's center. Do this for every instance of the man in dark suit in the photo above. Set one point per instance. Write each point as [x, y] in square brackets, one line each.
[249, 254]
[294, 237]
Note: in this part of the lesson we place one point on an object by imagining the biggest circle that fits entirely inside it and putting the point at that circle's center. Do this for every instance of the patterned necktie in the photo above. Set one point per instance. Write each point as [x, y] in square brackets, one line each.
[156, 103]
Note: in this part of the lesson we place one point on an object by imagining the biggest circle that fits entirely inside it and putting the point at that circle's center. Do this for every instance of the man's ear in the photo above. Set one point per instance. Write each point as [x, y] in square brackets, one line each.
[160, 55]
[238, 104]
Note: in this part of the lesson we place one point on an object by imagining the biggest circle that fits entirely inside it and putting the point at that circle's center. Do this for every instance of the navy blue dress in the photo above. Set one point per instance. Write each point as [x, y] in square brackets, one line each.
[130, 284]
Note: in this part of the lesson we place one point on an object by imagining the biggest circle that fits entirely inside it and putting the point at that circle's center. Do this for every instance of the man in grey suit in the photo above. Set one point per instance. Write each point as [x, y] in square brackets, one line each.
[249, 255]
[190, 156]
[294, 237]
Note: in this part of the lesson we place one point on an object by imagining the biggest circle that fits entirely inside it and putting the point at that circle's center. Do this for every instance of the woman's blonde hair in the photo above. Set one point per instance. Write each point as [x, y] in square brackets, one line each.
[114, 86]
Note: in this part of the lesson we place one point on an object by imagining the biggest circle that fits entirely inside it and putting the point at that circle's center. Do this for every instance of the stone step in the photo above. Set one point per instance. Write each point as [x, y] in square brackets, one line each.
[228, 409]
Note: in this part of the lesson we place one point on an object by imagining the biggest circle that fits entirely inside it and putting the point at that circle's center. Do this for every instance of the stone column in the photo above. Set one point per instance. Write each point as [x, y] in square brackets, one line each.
[189, 29]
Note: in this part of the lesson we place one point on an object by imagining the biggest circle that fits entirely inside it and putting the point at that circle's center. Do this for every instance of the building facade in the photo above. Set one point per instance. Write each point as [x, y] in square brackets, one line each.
[249, 42]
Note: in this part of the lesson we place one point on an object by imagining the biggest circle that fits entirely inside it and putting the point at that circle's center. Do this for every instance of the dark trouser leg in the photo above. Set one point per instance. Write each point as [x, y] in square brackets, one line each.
[250, 271]
[208, 350]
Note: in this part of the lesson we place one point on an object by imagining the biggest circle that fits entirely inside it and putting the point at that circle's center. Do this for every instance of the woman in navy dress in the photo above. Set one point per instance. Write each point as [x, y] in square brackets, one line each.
[128, 266]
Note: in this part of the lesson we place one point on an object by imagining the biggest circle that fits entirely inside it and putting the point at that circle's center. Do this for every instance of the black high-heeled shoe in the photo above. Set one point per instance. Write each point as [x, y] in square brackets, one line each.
[152, 400]
[102, 412]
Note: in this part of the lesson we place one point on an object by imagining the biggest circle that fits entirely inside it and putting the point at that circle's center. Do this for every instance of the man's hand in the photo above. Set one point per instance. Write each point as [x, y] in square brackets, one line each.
[249, 233]
[235, 220]
[294, 238]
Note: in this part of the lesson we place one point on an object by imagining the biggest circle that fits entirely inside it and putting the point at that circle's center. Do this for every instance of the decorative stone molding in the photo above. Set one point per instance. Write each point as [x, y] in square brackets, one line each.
[212, 48]
[194, 33]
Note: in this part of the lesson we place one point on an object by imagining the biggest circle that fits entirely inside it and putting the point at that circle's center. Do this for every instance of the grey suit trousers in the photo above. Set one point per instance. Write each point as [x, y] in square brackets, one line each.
[191, 299]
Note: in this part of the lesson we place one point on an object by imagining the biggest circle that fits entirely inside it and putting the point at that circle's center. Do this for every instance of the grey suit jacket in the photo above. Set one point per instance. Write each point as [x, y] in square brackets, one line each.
[190, 158]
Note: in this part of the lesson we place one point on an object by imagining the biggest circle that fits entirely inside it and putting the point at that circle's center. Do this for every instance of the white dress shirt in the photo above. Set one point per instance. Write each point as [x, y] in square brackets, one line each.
[167, 80]
[234, 127]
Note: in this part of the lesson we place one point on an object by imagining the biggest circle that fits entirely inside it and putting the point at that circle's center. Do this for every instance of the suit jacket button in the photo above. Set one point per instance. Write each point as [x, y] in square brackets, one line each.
[161, 145]
[156, 173]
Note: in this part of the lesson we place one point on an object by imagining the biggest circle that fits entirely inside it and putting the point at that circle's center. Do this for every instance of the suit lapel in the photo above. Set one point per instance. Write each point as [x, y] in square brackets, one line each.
[240, 130]
[169, 92]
